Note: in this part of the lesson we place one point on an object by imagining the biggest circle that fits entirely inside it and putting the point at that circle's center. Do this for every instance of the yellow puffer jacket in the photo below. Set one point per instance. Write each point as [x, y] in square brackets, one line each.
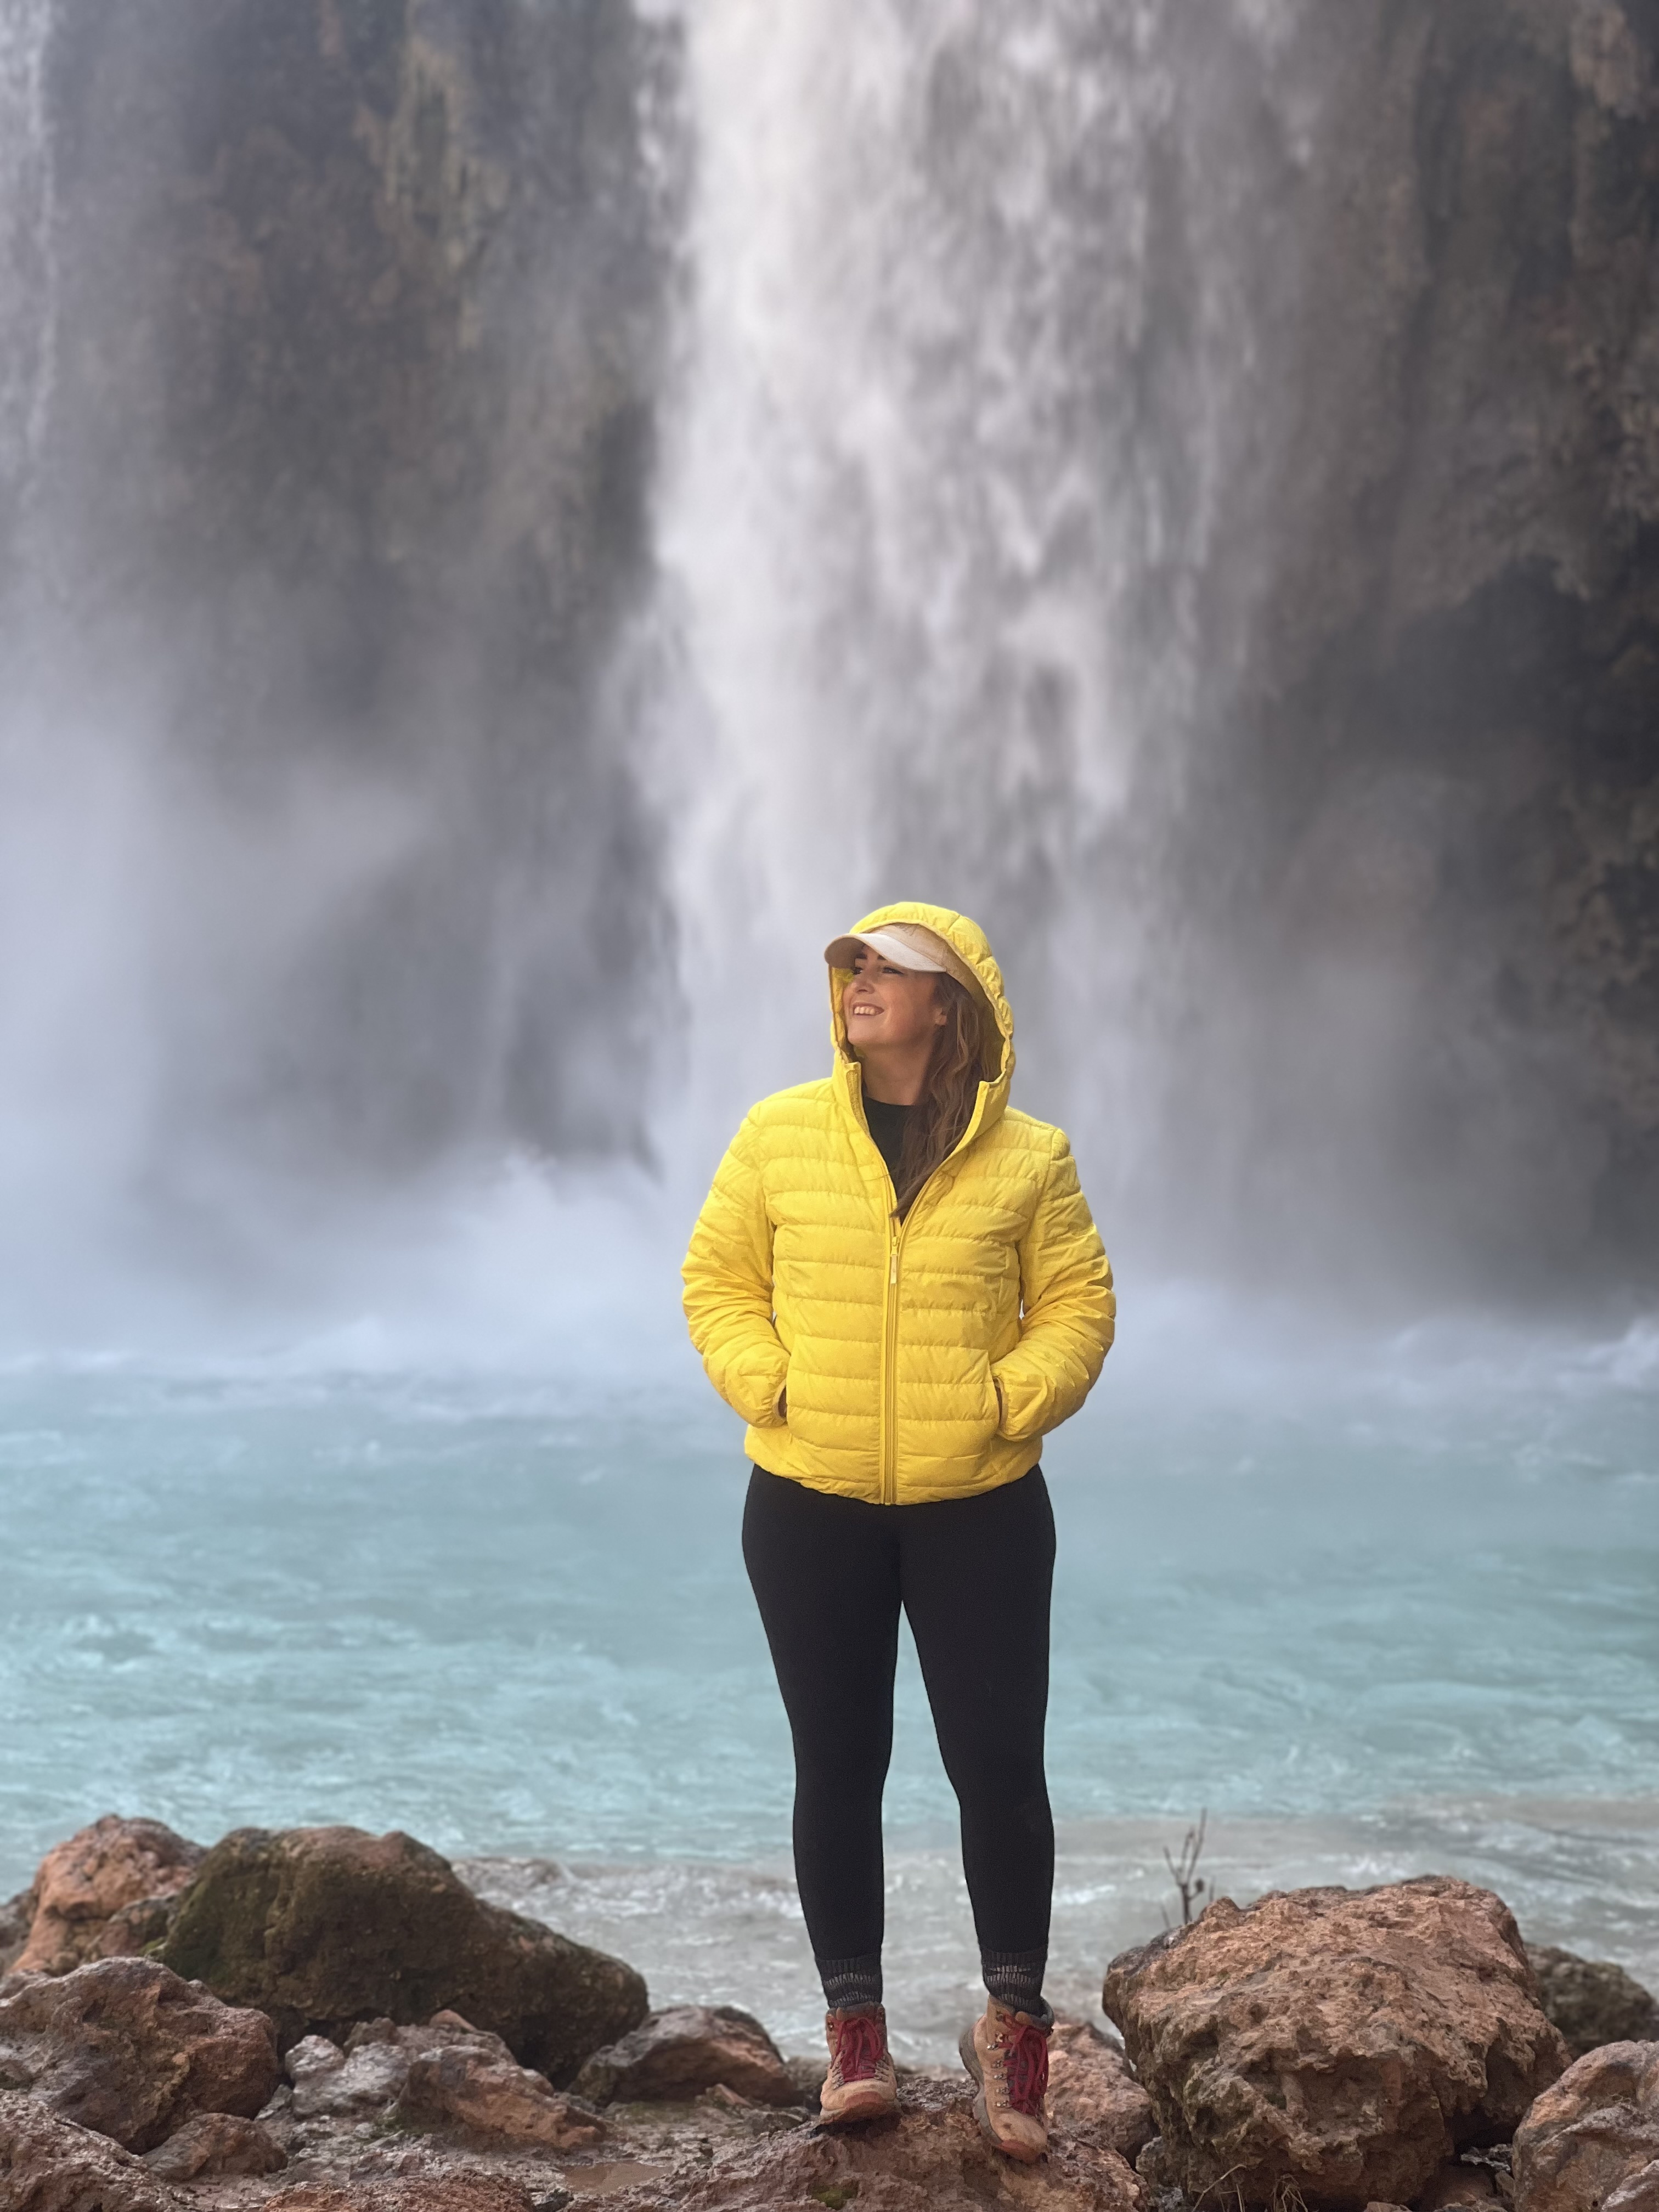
[923, 1359]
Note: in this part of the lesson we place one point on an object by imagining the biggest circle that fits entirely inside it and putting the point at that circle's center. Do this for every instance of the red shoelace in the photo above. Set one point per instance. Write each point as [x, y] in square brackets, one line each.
[860, 2047]
[1025, 2068]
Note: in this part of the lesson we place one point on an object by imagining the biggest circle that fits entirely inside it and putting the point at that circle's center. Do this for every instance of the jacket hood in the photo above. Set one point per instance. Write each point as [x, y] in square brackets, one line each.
[971, 946]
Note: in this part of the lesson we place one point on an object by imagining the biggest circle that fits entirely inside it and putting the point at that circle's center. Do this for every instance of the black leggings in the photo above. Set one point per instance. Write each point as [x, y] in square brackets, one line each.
[974, 1575]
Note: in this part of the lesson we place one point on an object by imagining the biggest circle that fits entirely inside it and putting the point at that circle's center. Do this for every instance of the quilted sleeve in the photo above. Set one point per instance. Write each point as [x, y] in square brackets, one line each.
[1069, 1308]
[728, 1287]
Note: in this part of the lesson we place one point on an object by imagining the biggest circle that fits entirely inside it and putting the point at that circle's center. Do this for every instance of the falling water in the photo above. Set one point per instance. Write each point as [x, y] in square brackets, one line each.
[935, 575]
[986, 324]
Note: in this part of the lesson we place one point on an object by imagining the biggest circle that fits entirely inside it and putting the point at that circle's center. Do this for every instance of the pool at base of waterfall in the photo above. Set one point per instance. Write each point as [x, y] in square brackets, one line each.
[1378, 1616]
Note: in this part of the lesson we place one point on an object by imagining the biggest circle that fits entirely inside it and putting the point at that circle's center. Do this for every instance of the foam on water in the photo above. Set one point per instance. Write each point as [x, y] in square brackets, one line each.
[1577, 1872]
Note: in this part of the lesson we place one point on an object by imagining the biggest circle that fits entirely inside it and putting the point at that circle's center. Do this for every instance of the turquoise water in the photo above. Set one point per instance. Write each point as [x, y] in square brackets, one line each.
[1403, 1600]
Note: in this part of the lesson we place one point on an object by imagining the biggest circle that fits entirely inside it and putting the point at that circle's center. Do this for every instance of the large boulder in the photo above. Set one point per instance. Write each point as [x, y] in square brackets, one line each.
[125, 2047]
[50, 2165]
[680, 2053]
[1591, 2143]
[321, 1927]
[1592, 2001]
[932, 2157]
[106, 1893]
[1339, 2043]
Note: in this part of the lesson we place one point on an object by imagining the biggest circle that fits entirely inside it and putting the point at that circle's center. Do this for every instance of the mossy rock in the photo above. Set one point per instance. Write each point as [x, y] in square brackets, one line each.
[323, 1927]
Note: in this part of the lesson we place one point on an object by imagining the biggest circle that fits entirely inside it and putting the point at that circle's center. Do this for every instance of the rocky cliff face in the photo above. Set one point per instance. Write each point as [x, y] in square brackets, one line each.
[339, 517]
[1430, 833]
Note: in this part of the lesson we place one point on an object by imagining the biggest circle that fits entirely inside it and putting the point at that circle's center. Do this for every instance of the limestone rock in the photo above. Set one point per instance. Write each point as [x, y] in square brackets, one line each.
[1591, 2000]
[106, 1892]
[471, 2081]
[678, 2054]
[125, 2047]
[218, 2143]
[1092, 2095]
[1591, 2143]
[932, 2157]
[50, 2165]
[366, 2079]
[445, 2075]
[1342, 2044]
[332, 2083]
[321, 1927]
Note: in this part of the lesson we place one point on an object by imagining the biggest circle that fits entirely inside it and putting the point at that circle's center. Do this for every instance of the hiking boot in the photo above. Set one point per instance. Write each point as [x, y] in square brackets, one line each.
[860, 2084]
[1007, 2054]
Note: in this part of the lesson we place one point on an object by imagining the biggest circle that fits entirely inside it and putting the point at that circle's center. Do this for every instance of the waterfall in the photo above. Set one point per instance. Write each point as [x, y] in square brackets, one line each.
[517, 522]
[374, 888]
[939, 510]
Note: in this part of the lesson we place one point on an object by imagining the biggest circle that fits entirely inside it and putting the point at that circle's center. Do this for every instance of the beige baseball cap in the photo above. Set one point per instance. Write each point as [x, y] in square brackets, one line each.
[906, 944]
[909, 945]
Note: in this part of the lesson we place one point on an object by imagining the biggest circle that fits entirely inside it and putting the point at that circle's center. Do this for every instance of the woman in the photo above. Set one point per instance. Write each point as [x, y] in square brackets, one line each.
[895, 1280]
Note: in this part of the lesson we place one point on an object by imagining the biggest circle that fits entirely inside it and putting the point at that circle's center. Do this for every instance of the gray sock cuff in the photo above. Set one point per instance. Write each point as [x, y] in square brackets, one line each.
[850, 1981]
[1014, 1979]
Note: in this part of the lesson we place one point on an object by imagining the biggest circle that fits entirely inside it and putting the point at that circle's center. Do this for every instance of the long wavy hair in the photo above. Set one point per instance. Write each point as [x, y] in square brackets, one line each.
[933, 1127]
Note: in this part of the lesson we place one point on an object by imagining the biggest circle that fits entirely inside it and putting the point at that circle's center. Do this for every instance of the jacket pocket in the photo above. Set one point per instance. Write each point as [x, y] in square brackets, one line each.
[991, 1399]
[772, 1418]
[794, 1382]
[790, 1378]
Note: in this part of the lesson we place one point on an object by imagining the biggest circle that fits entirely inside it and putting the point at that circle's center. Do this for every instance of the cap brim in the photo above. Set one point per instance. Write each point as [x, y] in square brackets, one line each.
[843, 951]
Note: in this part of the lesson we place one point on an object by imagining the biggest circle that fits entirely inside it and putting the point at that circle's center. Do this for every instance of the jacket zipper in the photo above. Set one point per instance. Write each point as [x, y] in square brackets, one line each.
[890, 1372]
[889, 1315]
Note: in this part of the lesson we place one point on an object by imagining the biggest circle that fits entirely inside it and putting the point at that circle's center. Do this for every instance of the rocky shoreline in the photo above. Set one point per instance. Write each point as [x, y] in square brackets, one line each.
[322, 2020]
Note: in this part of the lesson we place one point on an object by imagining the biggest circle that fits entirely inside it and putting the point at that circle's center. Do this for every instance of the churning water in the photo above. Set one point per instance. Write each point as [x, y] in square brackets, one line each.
[1380, 1616]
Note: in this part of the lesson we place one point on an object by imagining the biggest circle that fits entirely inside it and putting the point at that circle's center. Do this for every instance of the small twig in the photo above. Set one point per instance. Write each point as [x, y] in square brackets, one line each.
[1183, 1871]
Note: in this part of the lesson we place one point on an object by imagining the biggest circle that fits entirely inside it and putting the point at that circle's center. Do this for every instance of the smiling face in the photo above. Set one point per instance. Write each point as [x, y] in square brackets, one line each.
[891, 1011]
